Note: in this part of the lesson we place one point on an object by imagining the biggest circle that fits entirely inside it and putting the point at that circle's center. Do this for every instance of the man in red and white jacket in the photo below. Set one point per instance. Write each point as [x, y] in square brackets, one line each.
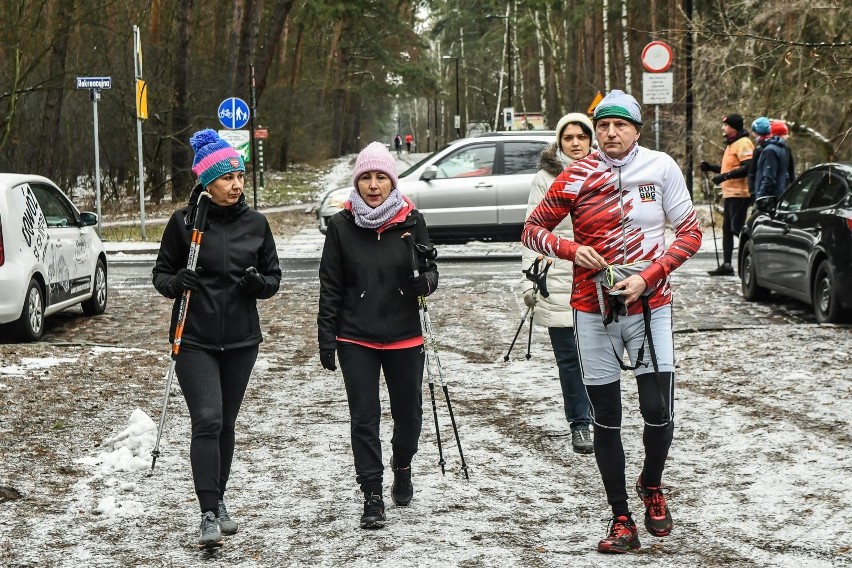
[620, 199]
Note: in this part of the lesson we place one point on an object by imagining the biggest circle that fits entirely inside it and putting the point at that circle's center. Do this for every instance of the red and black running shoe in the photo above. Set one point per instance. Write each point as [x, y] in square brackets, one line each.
[658, 520]
[623, 536]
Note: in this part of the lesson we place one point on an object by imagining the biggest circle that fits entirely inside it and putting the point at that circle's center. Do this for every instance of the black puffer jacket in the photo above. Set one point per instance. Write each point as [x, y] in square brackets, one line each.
[220, 315]
[365, 282]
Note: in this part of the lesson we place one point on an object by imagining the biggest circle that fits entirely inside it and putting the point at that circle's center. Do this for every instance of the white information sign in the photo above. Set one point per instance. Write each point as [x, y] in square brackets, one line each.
[657, 88]
[240, 140]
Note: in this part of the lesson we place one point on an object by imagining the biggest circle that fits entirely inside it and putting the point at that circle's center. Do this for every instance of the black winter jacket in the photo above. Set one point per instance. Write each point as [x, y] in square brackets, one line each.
[220, 314]
[365, 282]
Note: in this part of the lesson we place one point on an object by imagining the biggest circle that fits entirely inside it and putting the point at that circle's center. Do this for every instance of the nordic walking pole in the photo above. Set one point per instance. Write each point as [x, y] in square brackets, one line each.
[426, 324]
[191, 263]
[539, 286]
[533, 269]
[517, 333]
[712, 201]
[423, 330]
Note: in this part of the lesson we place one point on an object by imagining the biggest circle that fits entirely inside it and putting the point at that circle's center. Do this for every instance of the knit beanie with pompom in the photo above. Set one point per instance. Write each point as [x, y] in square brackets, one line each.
[213, 157]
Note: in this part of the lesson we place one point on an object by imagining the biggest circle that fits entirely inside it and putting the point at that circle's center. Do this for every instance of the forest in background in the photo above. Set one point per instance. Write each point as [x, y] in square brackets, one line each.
[331, 76]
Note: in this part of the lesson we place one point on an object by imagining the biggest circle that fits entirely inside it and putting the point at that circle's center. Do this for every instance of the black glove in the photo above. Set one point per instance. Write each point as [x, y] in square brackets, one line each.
[185, 279]
[420, 285]
[252, 282]
[327, 359]
[719, 178]
[705, 166]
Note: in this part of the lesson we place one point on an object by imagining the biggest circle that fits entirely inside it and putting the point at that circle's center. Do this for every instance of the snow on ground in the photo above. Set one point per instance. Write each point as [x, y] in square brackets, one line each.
[758, 473]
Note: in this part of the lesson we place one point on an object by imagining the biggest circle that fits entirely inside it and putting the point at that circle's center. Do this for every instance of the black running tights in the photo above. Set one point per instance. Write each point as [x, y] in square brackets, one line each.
[403, 370]
[655, 405]
[213, 385]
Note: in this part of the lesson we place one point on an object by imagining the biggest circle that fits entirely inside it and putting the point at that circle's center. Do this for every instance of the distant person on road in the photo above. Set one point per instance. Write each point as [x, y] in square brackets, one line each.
[574, 137]
[761, 129]
[237, 265]
[732, 174]
[772, 172]
[397, 144]
[409, 140]
[368, 315]
[620, 199]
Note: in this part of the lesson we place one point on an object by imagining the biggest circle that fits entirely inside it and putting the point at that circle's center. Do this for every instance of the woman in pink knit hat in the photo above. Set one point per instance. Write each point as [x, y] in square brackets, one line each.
[368, 317]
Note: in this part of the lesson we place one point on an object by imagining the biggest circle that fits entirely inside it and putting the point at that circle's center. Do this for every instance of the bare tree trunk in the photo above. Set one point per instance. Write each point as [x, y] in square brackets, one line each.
[48, 159]
[605, 21]
[628, 75]
[271, 39]
[181, 123]
[233, 43]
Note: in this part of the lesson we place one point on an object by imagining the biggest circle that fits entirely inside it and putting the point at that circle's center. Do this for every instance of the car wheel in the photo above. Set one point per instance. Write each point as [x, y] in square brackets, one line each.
[97, 303]
[752, 291]
[825, 295]
[30, 326]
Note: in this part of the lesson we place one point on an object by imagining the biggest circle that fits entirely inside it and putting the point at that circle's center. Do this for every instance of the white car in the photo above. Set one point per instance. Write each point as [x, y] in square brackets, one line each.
[472, 189]
[51, 258]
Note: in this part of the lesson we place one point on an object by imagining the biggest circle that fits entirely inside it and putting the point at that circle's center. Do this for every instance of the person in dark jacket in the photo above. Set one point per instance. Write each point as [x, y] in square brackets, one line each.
[761, 129]
[368, 315]
[771, 175]
[237, 265]
[779, 128]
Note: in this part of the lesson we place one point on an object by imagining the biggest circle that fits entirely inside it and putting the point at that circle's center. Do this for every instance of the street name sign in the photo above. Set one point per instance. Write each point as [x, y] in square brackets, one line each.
[94, 82]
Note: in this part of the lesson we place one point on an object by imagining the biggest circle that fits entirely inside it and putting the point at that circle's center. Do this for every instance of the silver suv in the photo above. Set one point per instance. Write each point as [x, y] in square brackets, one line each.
[472, 189]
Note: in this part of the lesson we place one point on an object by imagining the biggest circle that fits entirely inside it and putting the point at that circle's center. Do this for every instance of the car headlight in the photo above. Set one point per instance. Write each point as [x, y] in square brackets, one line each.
[337, 199]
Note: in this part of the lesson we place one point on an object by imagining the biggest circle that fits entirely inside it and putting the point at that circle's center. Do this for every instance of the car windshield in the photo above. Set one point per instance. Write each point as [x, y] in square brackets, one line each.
[410, 170]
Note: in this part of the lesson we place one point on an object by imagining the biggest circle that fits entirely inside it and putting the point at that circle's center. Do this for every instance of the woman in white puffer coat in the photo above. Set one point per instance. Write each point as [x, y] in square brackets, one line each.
[574, 138]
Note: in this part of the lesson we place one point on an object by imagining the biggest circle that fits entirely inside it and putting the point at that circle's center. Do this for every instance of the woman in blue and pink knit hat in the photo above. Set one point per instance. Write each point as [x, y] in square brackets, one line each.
[237, 265]
[368, 317]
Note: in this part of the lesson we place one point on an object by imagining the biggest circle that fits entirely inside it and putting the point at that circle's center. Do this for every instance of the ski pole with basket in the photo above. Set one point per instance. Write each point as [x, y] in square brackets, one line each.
[433, 362]
[191, 263]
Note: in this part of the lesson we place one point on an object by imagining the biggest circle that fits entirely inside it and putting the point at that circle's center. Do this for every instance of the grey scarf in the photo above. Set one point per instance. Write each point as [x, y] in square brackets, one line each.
[373, 218]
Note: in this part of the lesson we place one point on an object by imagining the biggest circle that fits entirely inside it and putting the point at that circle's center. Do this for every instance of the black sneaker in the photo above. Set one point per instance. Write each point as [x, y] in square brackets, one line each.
[623, 536]
[402, 490]
[581, 441]
[374, 512]
[724, 269]
[227, 525]
[658, 520]
[211, 536]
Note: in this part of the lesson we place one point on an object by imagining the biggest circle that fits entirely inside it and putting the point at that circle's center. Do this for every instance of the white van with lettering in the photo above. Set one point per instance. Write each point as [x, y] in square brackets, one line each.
[51, 257]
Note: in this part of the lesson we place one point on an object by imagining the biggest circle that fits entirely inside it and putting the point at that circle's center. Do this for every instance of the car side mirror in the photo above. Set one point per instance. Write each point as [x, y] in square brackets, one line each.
[765, 204]
[430, 173]
[88, 219]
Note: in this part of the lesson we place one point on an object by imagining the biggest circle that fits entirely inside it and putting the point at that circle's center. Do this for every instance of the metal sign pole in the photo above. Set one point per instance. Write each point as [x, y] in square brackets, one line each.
[137, 64]
[252, 112]
[96, 94]
[657, 127]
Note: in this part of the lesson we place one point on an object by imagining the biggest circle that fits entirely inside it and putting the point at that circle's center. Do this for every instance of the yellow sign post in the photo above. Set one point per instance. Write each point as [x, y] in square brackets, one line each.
[141, 99]
[598, 98]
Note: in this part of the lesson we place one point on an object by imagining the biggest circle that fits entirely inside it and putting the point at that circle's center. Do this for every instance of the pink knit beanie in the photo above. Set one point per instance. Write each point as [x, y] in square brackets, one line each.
[375, 158]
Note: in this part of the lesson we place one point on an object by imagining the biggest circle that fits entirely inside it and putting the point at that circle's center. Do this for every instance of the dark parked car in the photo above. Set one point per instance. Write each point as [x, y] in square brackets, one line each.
[800, 245]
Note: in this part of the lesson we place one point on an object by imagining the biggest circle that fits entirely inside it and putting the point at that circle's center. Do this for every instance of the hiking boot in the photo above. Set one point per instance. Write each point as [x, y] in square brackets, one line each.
[658, 520]
[724, 269]
[227, 525]
[402, 490]
[623, 536]
[581, 441]
[211, 536]
[374, 512]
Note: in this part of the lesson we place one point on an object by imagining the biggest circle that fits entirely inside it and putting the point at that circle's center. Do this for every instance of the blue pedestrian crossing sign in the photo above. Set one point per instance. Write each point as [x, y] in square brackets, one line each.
[233, 113]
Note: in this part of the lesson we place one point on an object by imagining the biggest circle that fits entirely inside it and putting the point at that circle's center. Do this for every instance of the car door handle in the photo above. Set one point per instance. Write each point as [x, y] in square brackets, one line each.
[482, 185]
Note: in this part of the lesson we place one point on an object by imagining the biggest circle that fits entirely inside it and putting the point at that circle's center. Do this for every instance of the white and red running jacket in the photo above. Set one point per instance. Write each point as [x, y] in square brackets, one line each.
[622, 213]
